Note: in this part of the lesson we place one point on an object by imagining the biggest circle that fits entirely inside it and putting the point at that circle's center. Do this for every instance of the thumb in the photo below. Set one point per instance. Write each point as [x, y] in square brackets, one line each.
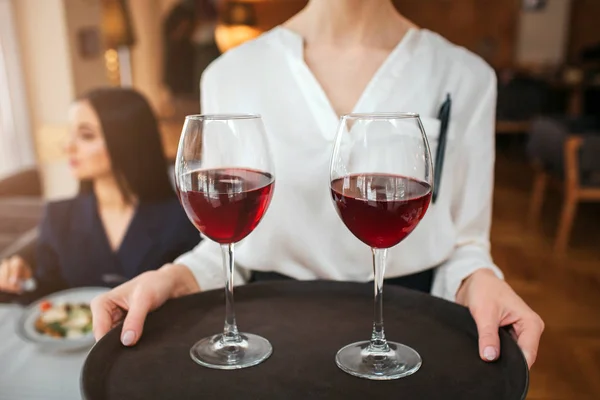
[487, 329]
[133, 325]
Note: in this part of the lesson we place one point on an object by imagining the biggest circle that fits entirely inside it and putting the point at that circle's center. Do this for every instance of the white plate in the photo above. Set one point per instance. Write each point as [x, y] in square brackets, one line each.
[26, 324]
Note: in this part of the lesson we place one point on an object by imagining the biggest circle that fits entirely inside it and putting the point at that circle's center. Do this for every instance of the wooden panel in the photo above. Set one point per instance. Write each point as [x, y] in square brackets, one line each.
[516, 127]
[275, 12]
[486, 27]
[270, 13]
[585, 29]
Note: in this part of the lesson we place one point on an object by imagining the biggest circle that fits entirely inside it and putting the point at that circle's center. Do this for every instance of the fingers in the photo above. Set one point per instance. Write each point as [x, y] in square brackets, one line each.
[102, 310]
[493, 304]
[117, 316]
[487, 321]
[25, 271]
[12, 271]
[530, 331]
[133, 325]
[19, 270]
[137, 298]
[4, 275]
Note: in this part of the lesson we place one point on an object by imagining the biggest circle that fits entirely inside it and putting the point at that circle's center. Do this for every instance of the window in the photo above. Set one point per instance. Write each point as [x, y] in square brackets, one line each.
[16, 149]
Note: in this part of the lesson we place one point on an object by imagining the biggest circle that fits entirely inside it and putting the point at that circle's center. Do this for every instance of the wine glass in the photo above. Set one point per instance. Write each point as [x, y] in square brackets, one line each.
[225, 181]
[381, 184]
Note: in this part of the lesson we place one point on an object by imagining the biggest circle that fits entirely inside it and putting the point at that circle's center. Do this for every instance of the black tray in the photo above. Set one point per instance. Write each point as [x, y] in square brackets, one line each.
[306, 322]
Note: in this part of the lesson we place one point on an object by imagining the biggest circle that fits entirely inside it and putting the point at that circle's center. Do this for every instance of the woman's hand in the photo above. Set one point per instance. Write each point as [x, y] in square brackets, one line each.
[493, 304]
[13, 271]
[134, 299]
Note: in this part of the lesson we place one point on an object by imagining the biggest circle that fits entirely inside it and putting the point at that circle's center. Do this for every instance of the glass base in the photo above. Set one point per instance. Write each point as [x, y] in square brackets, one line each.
[397, 361]
[213, 352]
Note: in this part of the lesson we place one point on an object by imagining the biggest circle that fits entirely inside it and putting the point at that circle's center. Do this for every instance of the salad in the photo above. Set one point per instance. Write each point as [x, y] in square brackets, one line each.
[64, 320]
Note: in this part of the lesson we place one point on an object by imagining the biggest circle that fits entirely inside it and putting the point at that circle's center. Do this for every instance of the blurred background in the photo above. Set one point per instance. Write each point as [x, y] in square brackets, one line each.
[546, 233]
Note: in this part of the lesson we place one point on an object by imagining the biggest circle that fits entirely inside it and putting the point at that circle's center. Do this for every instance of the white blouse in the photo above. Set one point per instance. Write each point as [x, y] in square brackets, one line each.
[301, 234]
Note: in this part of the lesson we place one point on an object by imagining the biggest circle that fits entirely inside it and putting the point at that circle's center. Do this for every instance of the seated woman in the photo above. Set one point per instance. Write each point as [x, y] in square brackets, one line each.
[126, 218]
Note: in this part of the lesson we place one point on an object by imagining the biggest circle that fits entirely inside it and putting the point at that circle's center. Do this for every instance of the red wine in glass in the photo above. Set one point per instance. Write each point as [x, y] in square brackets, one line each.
[381, 179]
[225, 180]
[226, 204]
[380, 209]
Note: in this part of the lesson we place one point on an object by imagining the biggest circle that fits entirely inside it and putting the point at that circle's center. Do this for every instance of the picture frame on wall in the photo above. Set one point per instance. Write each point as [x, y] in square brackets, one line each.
[534, 5]
[89, 42]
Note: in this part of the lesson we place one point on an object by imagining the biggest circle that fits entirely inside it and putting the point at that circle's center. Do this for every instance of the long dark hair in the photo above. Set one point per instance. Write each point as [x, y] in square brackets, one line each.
[133, 142]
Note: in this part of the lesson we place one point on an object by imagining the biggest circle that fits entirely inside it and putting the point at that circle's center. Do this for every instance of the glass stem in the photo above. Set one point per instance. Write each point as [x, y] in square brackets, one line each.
[378, 341]
[230, 332]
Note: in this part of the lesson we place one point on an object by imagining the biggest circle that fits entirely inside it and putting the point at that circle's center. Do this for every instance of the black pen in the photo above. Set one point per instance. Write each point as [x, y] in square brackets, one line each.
[444, 117]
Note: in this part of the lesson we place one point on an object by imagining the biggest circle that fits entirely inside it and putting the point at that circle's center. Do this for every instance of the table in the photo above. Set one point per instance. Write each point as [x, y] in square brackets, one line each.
[306, 322]
[28, 372]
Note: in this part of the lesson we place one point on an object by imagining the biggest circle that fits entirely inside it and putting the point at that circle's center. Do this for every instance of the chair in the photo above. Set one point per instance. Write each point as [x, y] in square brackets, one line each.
[23, 183]
[21, 206]
[576, 162]
[520, 99]
[24, 246]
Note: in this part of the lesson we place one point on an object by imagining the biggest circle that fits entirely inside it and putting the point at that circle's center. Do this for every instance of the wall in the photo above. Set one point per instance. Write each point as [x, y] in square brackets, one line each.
[16, 142]
[146, 56]
[166, 5]
[487, 28]
[88, 73]
[42, 31]
[543, 35]
[497, 30]
[147, 53]
[55, 74]
[274, 12]
[483, 26]
[585, 27]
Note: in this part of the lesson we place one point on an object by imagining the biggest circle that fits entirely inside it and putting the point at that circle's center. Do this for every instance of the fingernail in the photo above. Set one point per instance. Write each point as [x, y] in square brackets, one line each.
[489, 353]
[128, 338]
[13, 281]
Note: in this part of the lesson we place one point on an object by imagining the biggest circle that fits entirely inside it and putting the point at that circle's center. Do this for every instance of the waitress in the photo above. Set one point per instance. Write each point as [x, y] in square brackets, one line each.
[336, 57]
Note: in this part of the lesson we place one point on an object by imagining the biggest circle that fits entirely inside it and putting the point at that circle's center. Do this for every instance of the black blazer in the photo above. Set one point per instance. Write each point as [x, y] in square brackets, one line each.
[73, 249]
